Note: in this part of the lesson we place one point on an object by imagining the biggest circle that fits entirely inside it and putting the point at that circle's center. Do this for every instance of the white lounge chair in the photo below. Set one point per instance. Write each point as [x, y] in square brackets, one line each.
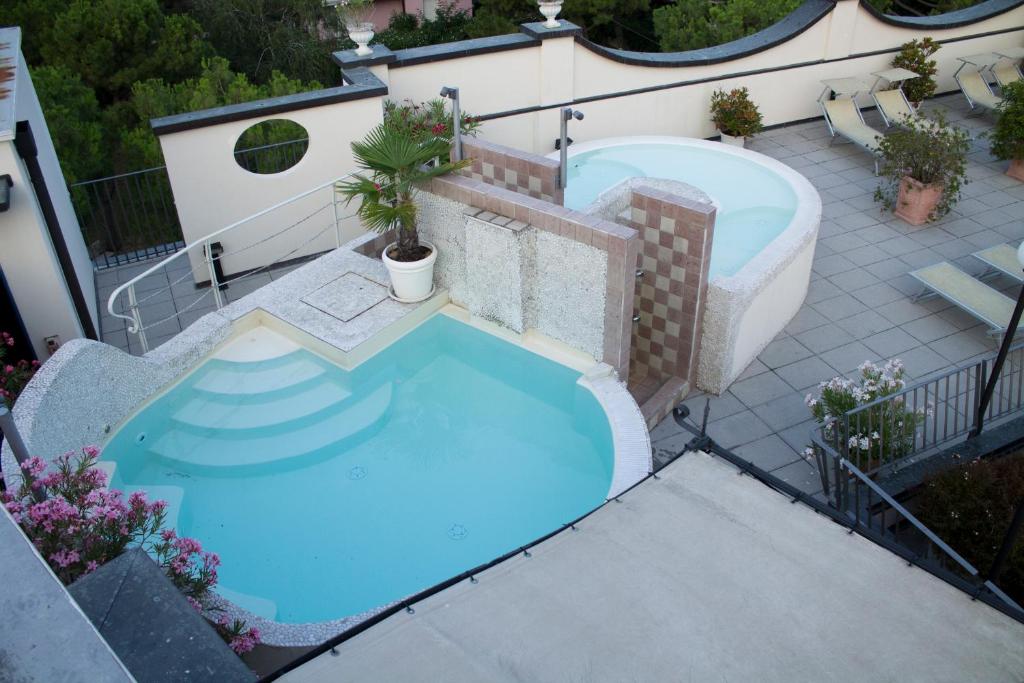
[843, 116]
[892, 102]
[972, 81]
[1001, 258]
[970, 294]
[1007, 69]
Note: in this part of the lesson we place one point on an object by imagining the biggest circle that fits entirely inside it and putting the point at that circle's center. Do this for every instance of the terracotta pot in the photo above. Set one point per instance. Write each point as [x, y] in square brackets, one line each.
[1016, 170]
[916, 201]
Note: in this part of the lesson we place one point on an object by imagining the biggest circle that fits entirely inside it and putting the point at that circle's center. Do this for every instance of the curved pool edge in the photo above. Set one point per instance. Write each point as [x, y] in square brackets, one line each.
[745, 311]
[631, 440]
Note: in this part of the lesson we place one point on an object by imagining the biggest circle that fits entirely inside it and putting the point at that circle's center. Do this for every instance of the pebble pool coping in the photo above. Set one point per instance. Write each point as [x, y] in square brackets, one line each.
[313, 301]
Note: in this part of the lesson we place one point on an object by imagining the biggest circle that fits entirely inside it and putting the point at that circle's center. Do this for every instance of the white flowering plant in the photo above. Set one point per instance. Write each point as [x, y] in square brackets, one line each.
[880, 433]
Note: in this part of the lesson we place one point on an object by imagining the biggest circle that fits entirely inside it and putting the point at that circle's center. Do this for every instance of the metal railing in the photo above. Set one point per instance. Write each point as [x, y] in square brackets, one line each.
[272, 158]
[128, 218]
[867, 506]
[131, 217]
[919, 419]
[190, 281]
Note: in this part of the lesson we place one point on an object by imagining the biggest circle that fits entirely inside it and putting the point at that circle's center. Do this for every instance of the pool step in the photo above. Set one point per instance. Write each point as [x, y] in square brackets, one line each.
[181, 447]
[248, 412]
[234, 378]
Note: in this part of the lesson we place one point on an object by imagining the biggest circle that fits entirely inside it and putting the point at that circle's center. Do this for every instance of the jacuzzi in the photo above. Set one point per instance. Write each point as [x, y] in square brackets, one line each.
[765, 231]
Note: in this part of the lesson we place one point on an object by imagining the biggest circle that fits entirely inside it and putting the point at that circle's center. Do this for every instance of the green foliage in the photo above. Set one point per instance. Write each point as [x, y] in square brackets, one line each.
[74, 119]
[260, 37]
[694, 24]
[114, 43]
[1007, 136]
[396, 162]
[970, 507]
[486, 23]
[408, 30]
[916, 56]
[216, 86]
[599, 17]
[36, 19]
[734, 113]
[931, 152]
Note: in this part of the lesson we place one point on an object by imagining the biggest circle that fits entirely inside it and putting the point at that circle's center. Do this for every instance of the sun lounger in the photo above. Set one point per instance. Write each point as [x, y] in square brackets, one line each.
[970, 294]
[1007, 69]
[1001, 258]
[971, 79]
[892, 102]
[843, 117]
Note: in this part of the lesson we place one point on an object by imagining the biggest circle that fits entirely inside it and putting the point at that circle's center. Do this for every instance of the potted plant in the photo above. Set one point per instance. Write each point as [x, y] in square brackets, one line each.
[355, 15]
[396, 162]
[735, 115]
[13, 375]
[916, 56]
[1007, 136]
[924, 164]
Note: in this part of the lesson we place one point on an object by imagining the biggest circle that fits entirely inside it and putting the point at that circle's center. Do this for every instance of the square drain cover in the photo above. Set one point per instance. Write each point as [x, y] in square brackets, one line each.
[347, 297]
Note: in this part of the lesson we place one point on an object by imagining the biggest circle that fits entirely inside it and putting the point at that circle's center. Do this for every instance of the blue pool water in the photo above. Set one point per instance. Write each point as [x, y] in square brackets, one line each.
[755, 203]
[328, 492]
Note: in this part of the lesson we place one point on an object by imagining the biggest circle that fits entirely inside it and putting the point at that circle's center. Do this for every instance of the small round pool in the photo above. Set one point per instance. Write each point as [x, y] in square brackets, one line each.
[766, 227]
[755, 202]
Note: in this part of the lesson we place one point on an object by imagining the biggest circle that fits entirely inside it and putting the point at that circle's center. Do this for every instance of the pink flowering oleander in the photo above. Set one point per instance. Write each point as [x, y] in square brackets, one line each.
[77, 524]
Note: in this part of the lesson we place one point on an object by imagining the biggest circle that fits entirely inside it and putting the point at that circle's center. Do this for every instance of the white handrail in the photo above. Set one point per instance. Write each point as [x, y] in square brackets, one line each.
[134, 320]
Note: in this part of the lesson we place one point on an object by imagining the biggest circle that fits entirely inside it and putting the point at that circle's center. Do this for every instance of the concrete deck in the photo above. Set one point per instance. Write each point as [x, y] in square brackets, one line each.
[662, 587]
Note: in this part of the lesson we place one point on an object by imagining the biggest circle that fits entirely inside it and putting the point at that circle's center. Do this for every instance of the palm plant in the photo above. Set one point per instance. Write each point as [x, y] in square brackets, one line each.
[396, 163]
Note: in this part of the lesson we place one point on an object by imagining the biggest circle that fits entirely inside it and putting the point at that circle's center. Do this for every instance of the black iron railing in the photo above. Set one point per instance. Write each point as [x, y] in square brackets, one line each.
[131, 217]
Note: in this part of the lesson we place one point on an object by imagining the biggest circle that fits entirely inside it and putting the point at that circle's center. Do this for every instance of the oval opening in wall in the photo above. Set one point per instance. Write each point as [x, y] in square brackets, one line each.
[272, 146]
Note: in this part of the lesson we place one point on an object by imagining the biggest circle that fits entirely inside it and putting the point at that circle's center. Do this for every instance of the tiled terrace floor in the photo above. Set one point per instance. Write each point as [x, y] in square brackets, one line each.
[859, 305]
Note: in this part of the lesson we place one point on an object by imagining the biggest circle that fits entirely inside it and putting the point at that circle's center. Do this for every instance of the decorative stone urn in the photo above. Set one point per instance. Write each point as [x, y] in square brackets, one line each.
[734, 140]
[550, 10]
[361, 34]
[916, 201]
[1016, 170]
[411, 281]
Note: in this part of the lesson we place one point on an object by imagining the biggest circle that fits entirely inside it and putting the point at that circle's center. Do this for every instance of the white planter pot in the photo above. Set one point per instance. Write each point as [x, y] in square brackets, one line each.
[361, 35]
[550, 10]
[734, 140]
[411, 281]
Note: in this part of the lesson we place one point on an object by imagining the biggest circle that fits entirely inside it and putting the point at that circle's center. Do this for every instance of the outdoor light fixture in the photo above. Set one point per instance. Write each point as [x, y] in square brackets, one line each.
[1004, 349]
[5, 192]
[453, 95]
[563, 143]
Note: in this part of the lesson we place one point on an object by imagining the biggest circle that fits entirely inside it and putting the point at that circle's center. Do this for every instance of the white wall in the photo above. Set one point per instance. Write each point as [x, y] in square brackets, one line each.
[27, 255]
[561, 71]
[29, 109]
[212, 191]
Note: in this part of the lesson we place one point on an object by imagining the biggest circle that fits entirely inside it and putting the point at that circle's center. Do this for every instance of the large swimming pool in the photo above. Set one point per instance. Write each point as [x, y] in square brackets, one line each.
[330, 492]
[755, 203]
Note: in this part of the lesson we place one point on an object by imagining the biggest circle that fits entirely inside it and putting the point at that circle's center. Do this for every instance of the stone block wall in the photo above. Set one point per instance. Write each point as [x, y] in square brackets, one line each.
[676, 235]
[529, 174]
[526, 263]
